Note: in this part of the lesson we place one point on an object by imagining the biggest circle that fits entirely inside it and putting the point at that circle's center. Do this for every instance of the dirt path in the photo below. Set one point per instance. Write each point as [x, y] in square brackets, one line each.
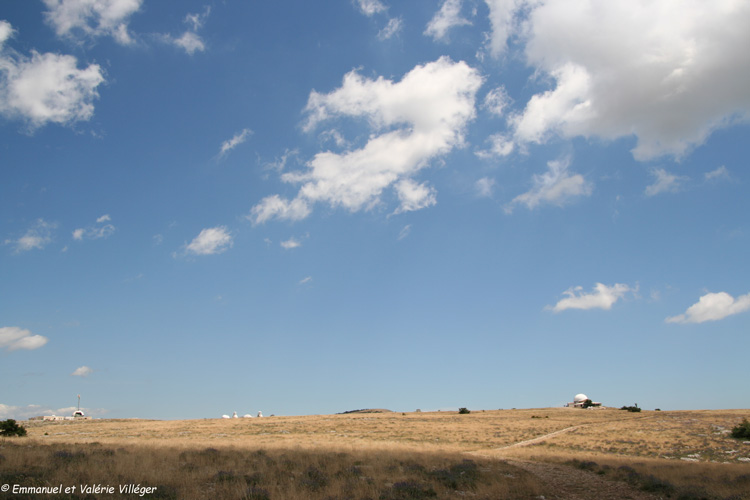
[568, 483]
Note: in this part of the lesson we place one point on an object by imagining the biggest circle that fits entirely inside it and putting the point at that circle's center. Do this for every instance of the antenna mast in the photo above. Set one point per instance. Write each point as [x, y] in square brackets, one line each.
[79, 402]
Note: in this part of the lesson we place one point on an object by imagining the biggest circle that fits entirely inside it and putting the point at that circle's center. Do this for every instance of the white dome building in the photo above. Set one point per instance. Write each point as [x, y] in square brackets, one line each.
[580, 401]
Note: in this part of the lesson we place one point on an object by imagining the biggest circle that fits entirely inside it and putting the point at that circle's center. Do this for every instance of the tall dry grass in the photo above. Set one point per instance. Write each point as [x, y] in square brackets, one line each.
[245, 473]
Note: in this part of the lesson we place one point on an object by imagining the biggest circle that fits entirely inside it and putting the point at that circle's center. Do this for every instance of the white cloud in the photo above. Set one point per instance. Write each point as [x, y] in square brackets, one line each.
[502, 13]
[394, 26]
[190, 41]
[196, 21]
[664, 183]
[405, 231]
[500, 145]
[556, 186]
[446, 18]
[13, 338]
[210, 241]
[92, 18]
[279, 164]
[602, 297]
[484, 187]
[415, 120]
[370, 7]
[45, 87]
[290, 243]
[82, 371]
[713, 307]
[668, 73]
[719, 173]
[305, 280]
[275, 206]
[37, 236]
[235, 141]
[95, 232]
[414, 196]
[497, 100]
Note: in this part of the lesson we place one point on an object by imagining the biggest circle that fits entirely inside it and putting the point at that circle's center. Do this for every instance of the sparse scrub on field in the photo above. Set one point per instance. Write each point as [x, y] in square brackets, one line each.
[233, 473]
[678, 480]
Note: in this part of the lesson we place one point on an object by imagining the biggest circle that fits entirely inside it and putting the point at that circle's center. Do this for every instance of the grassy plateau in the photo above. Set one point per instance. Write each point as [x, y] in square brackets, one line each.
[526, 454]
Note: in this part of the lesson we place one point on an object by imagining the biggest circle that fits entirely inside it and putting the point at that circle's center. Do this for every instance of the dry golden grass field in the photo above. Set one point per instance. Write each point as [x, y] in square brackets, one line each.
[550, 453]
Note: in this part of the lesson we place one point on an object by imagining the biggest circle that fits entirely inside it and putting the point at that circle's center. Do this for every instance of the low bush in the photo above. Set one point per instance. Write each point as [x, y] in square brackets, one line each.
[633, 409]
[11, 428]
[463, 411]
[742, 431]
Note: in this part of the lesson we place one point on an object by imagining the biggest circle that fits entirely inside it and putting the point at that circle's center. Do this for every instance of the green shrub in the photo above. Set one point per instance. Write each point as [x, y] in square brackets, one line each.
[11, 428]
[463, 411]
[633, 409]
[742, 431]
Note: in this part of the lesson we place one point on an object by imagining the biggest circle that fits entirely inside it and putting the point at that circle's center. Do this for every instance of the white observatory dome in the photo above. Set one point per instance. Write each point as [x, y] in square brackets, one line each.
[580, 398]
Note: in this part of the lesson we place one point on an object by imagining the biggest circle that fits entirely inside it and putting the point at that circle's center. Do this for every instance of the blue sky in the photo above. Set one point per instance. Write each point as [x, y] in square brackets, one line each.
[312, 207]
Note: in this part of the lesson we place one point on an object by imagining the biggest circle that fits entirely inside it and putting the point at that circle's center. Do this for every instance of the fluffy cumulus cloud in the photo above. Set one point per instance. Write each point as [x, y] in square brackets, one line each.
[45, 87]
[82, 371]
[38, 236]
[413, 121]
[446, 18]
[235, 141]
[210, 241]
[713, 307]
[13, 338]
[92, 18]
[102, 229]
[557, 186]
[668, 73]
[601, 297]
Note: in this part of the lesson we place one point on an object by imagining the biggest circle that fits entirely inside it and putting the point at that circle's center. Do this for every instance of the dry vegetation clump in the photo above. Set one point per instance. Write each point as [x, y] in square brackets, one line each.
[670, 479]
[242, 473]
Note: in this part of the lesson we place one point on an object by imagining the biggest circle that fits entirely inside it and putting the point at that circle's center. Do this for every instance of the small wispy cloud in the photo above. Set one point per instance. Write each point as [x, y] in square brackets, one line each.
[95, 232]
[37, 236]
[394, 27]
[190, 41]
[556, 186]
[290, 243]
[601, 297]
[210, 241]
[235, 141]
[405, 231]
[720, 173]
[665, 182]
[446, 18]
[484, 187]
[370, 7]
[305, 280]
[82, 371]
